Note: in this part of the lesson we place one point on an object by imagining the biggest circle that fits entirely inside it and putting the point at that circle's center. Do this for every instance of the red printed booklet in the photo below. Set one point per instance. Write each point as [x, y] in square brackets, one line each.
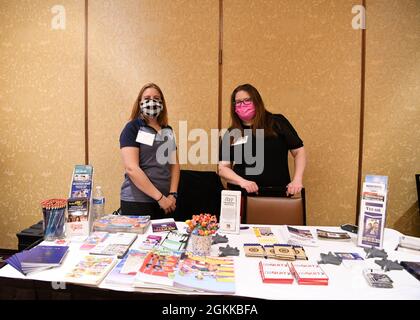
[275, 272]
[309, 273]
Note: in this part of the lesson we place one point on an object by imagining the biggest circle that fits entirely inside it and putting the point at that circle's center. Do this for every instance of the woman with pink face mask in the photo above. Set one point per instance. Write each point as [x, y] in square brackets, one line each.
[243, 162]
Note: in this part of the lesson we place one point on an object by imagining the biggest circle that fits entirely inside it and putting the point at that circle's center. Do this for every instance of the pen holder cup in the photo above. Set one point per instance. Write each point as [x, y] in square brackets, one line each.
[201, 245]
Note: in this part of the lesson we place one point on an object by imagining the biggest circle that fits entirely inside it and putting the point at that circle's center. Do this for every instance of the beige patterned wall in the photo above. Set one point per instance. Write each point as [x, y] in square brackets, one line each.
[305, 61]
[172, 43]
[41, 109]
[392, 111]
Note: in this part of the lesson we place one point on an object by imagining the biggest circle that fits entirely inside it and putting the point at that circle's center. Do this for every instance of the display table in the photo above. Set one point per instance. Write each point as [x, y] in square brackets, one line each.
[346, 281]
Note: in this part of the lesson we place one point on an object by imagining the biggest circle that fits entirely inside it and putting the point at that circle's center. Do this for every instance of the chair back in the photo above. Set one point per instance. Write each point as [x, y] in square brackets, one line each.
[276, 210]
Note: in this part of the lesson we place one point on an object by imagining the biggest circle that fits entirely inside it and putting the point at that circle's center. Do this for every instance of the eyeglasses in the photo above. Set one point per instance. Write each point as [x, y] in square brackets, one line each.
[246, 101]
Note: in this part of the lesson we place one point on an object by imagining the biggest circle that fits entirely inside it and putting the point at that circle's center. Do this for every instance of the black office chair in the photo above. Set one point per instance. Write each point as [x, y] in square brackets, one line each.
[198, 192]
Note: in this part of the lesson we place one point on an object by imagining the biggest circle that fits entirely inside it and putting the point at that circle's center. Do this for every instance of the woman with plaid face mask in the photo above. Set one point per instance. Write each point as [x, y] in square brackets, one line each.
[151, 179]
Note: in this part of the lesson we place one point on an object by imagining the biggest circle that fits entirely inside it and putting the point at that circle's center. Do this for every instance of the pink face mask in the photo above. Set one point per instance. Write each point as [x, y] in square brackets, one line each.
[245, 112]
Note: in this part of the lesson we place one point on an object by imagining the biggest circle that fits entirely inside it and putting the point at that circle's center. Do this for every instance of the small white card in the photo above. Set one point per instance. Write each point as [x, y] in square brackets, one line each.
[230, 212]
[145, 138]
[241, 140]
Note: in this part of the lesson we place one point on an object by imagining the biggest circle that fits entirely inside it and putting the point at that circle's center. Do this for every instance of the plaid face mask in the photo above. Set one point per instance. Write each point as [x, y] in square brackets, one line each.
[151, 108]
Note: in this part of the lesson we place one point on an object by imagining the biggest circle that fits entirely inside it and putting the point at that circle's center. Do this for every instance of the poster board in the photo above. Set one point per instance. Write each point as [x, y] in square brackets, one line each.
[373, 212]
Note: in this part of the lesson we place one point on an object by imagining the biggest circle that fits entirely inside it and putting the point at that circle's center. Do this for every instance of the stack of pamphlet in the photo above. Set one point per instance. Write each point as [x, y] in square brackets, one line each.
[38, 259]
[114, 223]
[377, 278]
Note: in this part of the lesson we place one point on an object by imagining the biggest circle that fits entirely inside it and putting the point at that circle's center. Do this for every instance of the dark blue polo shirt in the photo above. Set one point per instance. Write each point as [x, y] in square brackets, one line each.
[153, 159]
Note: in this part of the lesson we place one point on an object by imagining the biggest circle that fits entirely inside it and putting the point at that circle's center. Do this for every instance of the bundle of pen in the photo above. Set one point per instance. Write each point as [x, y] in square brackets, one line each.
[54, 218]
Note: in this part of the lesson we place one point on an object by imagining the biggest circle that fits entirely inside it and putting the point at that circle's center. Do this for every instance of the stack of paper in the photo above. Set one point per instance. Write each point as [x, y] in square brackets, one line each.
[38, 258]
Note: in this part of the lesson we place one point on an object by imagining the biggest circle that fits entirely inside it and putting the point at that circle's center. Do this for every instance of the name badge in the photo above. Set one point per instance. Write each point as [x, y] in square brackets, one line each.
[145, 138]
[241, 140]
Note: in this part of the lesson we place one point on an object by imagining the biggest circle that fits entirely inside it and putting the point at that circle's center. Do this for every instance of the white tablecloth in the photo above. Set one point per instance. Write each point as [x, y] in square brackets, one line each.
[346, 281]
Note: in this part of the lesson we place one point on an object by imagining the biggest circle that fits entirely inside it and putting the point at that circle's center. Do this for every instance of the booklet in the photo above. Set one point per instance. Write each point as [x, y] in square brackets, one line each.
[299, 237]
[308, 273]
[91, 270]
[332, 235]
[275, 272]
[208, 274]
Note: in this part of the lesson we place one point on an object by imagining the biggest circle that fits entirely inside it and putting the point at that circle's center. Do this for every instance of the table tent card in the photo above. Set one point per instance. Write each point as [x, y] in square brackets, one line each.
[373, 212]
[230, 212]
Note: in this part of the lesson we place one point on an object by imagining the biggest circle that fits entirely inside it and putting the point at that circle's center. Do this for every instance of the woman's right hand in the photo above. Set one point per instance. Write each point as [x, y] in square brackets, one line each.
[166, 204]
[249, 186]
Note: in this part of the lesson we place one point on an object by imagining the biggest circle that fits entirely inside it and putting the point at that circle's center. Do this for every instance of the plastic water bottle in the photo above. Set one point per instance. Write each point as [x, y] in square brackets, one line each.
[98, 203]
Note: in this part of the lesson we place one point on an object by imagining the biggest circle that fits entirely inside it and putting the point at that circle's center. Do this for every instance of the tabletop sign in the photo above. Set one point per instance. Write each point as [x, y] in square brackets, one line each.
[373, 212]
[230, 212]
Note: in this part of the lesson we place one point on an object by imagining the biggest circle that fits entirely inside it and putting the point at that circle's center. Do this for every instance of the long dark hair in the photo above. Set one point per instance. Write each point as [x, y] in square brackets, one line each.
[163, 116]
[263, 119]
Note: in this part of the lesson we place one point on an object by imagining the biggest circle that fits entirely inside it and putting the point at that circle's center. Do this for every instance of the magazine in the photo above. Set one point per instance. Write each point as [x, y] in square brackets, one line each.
[157, 270]
[115, 223]
[208, 274]
[299, 237]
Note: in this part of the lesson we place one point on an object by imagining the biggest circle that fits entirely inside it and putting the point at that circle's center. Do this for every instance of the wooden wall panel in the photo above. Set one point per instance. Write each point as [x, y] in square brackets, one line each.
[392, 111]
[304, 58]
[131, 42]
[41, 109]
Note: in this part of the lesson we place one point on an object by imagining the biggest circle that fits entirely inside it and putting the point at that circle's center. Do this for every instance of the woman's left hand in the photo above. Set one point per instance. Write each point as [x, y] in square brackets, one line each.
[294, 187]
[173, 203]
